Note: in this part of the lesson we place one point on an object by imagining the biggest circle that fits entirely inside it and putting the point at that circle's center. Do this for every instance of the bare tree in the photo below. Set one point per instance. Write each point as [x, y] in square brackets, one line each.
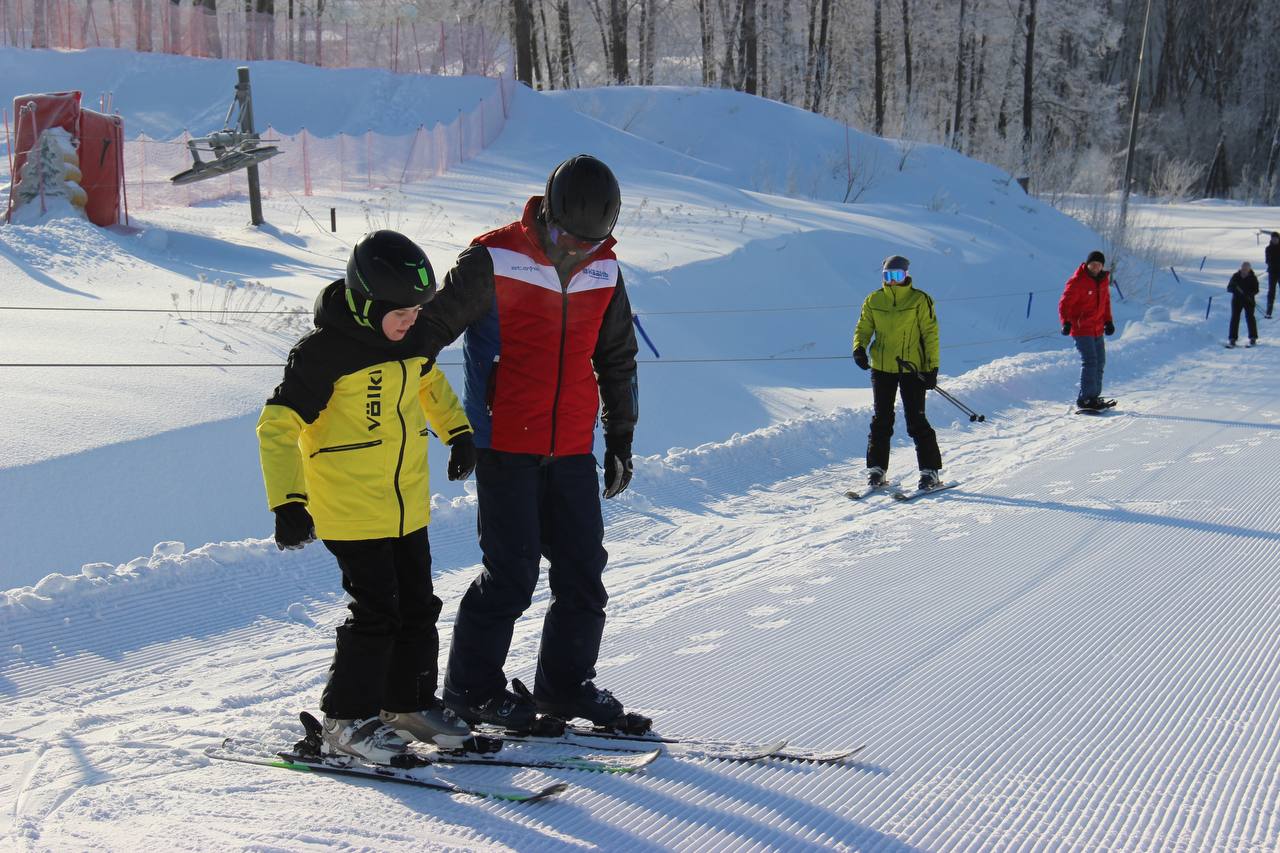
[878, 49]
[522, 36]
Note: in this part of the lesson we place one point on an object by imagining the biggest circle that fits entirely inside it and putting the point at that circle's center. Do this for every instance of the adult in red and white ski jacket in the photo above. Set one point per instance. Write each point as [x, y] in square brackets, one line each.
[544, 344]
[1086, 302]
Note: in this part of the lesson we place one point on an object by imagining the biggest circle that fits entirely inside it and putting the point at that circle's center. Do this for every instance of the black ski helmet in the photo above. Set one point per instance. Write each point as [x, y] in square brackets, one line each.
[386, 266]
[896, 262]
[583, 198]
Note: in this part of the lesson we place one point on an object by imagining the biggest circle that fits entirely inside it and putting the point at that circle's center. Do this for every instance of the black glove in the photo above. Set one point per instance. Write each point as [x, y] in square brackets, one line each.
[462, 456]
[294, 527]
[929, 378]
[1110, 328]
[1066, 327]
[860, 358]
[617, 464]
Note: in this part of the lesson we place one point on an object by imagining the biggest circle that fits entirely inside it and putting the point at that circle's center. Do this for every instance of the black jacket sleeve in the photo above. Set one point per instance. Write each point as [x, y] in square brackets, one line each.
[309, 377]
[464, 297]
[1273, 257]
[615, 364]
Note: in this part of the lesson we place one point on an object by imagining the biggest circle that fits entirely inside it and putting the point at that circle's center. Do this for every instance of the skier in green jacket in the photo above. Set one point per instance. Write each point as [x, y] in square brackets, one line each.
[900, 327]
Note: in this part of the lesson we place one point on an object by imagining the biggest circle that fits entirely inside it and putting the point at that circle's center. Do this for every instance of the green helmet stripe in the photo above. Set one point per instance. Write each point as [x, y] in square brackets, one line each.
[362, 316]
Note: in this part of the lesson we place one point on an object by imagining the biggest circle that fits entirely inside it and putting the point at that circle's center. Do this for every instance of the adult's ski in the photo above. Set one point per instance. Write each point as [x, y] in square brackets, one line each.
[918, 493]
[256, 752]
[725, 750]
[855, 495]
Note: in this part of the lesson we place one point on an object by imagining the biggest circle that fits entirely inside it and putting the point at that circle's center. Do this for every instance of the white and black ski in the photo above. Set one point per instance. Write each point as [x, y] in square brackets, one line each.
[256, 752]
[919, 493]
[867, 491]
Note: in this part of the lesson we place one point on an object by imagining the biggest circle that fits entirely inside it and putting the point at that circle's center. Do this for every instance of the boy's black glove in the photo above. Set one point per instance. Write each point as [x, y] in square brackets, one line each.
[617, 464]
[462, 456]
[860, 358]
[1110, 328]
[294, 527]
[929, 378]
[1066, 327]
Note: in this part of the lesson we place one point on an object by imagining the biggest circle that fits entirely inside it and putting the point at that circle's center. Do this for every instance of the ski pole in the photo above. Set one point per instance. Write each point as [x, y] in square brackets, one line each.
[973, 416]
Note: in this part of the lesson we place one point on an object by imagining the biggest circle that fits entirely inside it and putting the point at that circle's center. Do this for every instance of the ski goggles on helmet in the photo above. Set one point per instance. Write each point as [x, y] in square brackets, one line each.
[895, 276]
[569, 243]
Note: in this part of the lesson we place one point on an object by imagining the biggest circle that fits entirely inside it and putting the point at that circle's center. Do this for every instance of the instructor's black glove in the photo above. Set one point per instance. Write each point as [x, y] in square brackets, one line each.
[1066, 327]
[929, 378]
[462, 456]
[294, 527]
[860, 358]
[617, 464]
[1110, 328]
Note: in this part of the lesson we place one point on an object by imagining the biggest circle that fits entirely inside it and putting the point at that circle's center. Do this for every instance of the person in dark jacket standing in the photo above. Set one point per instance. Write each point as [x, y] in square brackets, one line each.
[1273, 270]
[343, 442]
[1244, 297]
[548, 335]
[900, 326]
[1085, 312]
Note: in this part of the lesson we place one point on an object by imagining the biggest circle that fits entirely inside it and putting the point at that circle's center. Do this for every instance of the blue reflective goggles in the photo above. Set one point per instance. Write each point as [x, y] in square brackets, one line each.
[570, 243]
[895, 276]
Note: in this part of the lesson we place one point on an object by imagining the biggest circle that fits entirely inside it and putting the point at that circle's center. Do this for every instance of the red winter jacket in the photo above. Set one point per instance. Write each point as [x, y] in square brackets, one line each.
[1086, 303]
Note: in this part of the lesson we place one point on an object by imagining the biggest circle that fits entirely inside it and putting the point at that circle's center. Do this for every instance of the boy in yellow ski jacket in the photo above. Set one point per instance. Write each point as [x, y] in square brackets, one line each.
[343, 443]
[899, 325]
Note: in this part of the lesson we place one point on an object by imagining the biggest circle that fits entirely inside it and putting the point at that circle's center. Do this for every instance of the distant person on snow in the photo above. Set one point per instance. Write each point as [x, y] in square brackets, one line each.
[343, 441]
[548, 335]
[1244, 297]
[1273, 270]
[1085, 312]
[899, 325]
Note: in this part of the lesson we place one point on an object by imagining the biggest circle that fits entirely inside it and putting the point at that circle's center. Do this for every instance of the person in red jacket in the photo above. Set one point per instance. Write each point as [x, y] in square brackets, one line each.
[1085, 312]
[548, 337]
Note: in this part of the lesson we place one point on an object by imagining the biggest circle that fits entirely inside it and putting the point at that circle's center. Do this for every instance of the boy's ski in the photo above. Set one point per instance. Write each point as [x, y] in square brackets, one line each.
[917, 493]
[1106, 404]
[855, 495]
[256, 752]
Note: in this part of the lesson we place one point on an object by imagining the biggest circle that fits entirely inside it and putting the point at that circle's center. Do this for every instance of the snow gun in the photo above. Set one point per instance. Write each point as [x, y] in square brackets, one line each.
[903, 364]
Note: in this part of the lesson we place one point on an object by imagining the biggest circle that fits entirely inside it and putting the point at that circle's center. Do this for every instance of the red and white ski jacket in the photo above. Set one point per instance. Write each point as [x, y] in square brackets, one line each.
[1086, 303]
[542, 345]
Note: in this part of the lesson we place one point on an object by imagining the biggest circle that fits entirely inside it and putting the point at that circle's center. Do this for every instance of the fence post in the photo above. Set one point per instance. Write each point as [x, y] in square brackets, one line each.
[1175, 275]
[635, 318]
[1030, 295]
[1208, 308]
[1202, 260]
[306, 166]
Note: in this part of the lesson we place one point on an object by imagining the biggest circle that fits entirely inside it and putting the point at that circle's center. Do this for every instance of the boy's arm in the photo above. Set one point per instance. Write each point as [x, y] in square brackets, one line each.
[444, 412]
[296, 401]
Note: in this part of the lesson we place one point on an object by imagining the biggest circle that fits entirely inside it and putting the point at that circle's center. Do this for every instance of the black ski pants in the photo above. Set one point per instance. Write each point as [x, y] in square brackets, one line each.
[885, 388]
[387, 650]
[1246, 305]
[532, 507]
[1273, 278]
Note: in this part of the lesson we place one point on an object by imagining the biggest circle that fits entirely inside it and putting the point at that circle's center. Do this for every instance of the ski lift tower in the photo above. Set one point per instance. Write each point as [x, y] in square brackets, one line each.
[236, 146]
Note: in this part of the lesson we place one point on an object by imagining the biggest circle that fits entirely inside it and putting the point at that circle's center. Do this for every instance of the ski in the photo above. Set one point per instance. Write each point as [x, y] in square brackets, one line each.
[256, 752]
[916, 493]
[855, 495]
[724, 750]
[1106, 404]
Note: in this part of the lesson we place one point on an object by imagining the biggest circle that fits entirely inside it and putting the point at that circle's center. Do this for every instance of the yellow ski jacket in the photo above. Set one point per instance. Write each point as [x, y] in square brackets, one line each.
[898, 321]
[346, 431]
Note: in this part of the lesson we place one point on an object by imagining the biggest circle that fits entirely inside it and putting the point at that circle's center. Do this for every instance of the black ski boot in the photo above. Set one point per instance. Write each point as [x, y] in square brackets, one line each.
[600, 707]
[508, 710]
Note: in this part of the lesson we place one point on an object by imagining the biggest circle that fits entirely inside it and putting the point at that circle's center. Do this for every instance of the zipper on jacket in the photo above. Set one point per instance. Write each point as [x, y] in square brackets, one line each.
[404, 437]
[338, 448]
[564, 328]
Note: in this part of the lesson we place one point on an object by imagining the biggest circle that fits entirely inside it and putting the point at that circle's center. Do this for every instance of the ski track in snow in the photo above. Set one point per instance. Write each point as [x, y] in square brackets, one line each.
[1073, 650]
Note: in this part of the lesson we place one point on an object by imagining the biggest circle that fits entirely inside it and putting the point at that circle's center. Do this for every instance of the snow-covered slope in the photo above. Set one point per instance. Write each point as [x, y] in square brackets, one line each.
[1074, 649]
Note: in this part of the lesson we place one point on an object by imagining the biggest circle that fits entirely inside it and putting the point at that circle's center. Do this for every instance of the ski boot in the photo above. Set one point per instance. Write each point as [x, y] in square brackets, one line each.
[369, 739]
[928, 479]
[600, 707]
[875, 477]
[434, 724]
[513, 711]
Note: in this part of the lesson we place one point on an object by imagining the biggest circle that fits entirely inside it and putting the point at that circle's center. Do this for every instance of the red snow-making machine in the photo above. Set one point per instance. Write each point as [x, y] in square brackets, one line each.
[61, 150]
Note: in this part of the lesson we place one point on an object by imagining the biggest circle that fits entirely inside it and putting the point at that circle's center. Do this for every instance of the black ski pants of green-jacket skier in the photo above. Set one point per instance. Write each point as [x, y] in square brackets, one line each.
[885, 388]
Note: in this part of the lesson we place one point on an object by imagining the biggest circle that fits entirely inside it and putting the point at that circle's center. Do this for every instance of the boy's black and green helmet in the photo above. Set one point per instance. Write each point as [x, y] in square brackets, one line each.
[388, 267]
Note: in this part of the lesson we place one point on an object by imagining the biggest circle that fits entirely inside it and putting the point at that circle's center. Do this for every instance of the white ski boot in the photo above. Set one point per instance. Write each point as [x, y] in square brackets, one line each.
[929, 479]
[369, 739]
